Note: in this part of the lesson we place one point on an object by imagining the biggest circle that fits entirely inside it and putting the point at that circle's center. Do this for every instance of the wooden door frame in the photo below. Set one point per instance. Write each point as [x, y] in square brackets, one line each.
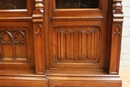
[65, 18]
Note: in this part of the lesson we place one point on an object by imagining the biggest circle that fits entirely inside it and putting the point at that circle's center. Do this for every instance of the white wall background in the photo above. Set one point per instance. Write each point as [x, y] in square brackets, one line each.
[125, 48]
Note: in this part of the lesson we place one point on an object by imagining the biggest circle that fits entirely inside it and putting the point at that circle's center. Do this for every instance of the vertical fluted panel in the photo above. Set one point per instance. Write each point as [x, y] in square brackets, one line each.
[64, 44]
[88, 44]
[77, 44]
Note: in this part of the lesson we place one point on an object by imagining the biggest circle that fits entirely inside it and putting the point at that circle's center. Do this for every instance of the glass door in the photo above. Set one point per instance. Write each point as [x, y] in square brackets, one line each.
[16, 8]
[13, 4]
[63, 4]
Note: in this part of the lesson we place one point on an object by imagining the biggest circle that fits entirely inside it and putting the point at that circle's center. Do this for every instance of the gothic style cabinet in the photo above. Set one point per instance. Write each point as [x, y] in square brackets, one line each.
[60, 43]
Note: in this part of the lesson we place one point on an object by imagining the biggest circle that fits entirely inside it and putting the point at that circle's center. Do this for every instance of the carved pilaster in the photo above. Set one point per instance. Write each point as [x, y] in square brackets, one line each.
[116, 36]
[38, 37]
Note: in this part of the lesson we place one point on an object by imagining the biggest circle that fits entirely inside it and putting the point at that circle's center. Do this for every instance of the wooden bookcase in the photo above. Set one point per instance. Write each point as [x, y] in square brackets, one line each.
[60, 43]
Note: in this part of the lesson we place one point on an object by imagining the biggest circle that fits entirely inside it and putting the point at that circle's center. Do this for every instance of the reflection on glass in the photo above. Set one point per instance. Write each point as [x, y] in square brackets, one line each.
[12, 4]
[77, 4]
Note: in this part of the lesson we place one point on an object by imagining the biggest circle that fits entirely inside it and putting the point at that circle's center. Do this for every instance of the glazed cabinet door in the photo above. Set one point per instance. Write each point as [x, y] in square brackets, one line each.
[77, 34]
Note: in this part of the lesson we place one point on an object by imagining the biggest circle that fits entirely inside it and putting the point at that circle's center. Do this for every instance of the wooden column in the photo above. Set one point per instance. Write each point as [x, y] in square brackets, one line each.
[39, 37]
[116, 36]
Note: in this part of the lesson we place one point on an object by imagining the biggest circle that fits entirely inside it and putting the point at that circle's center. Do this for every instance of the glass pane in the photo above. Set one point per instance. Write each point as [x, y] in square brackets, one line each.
[77, 4]
[13, 4]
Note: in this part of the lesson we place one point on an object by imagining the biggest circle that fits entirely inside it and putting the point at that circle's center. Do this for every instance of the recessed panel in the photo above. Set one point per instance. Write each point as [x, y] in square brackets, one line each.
[77, 44]
[13, 44]
[69, 4]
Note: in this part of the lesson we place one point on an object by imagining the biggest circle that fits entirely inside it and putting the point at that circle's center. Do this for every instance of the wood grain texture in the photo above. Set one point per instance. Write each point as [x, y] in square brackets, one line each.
[84, 82]
[67, 37]
[14, 40]
[77, 40]
[116, 36]
[38, 37]
[14, 45]
[76, 45]
[22, 82]
[47, 45]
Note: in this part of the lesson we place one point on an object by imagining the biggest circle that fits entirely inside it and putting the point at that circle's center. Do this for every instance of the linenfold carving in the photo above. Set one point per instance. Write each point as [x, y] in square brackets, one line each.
[84, 42]
[64, 43]
[88, 44]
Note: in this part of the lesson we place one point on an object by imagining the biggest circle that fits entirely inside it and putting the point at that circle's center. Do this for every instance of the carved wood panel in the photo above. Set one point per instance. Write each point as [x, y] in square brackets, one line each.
[64, 44]
[88, 44]
[79, 37]
[73, 45]
[13, 44]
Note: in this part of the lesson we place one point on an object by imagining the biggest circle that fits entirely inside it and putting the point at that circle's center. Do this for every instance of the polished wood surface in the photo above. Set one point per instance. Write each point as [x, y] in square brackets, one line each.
[46, 44]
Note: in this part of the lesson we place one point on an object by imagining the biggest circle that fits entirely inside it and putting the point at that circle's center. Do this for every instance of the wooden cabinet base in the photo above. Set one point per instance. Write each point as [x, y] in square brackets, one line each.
[22, 82]
[92, 81]
[54, 78]
[13, 78]
[51, 81]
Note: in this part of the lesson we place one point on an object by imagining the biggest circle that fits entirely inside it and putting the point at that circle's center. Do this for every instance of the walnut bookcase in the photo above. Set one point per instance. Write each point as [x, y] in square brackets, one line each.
[60, 43]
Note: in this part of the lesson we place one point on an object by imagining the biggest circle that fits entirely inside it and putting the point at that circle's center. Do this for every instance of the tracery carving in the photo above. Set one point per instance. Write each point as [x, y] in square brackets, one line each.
[10, 37]
[117, 30]
[19, 37]
[12, 41]
[38, 30]
[6, 37]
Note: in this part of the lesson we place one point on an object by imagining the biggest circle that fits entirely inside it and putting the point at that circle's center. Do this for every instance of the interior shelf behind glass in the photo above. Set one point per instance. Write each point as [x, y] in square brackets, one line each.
[13, 4]
[66, 4]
